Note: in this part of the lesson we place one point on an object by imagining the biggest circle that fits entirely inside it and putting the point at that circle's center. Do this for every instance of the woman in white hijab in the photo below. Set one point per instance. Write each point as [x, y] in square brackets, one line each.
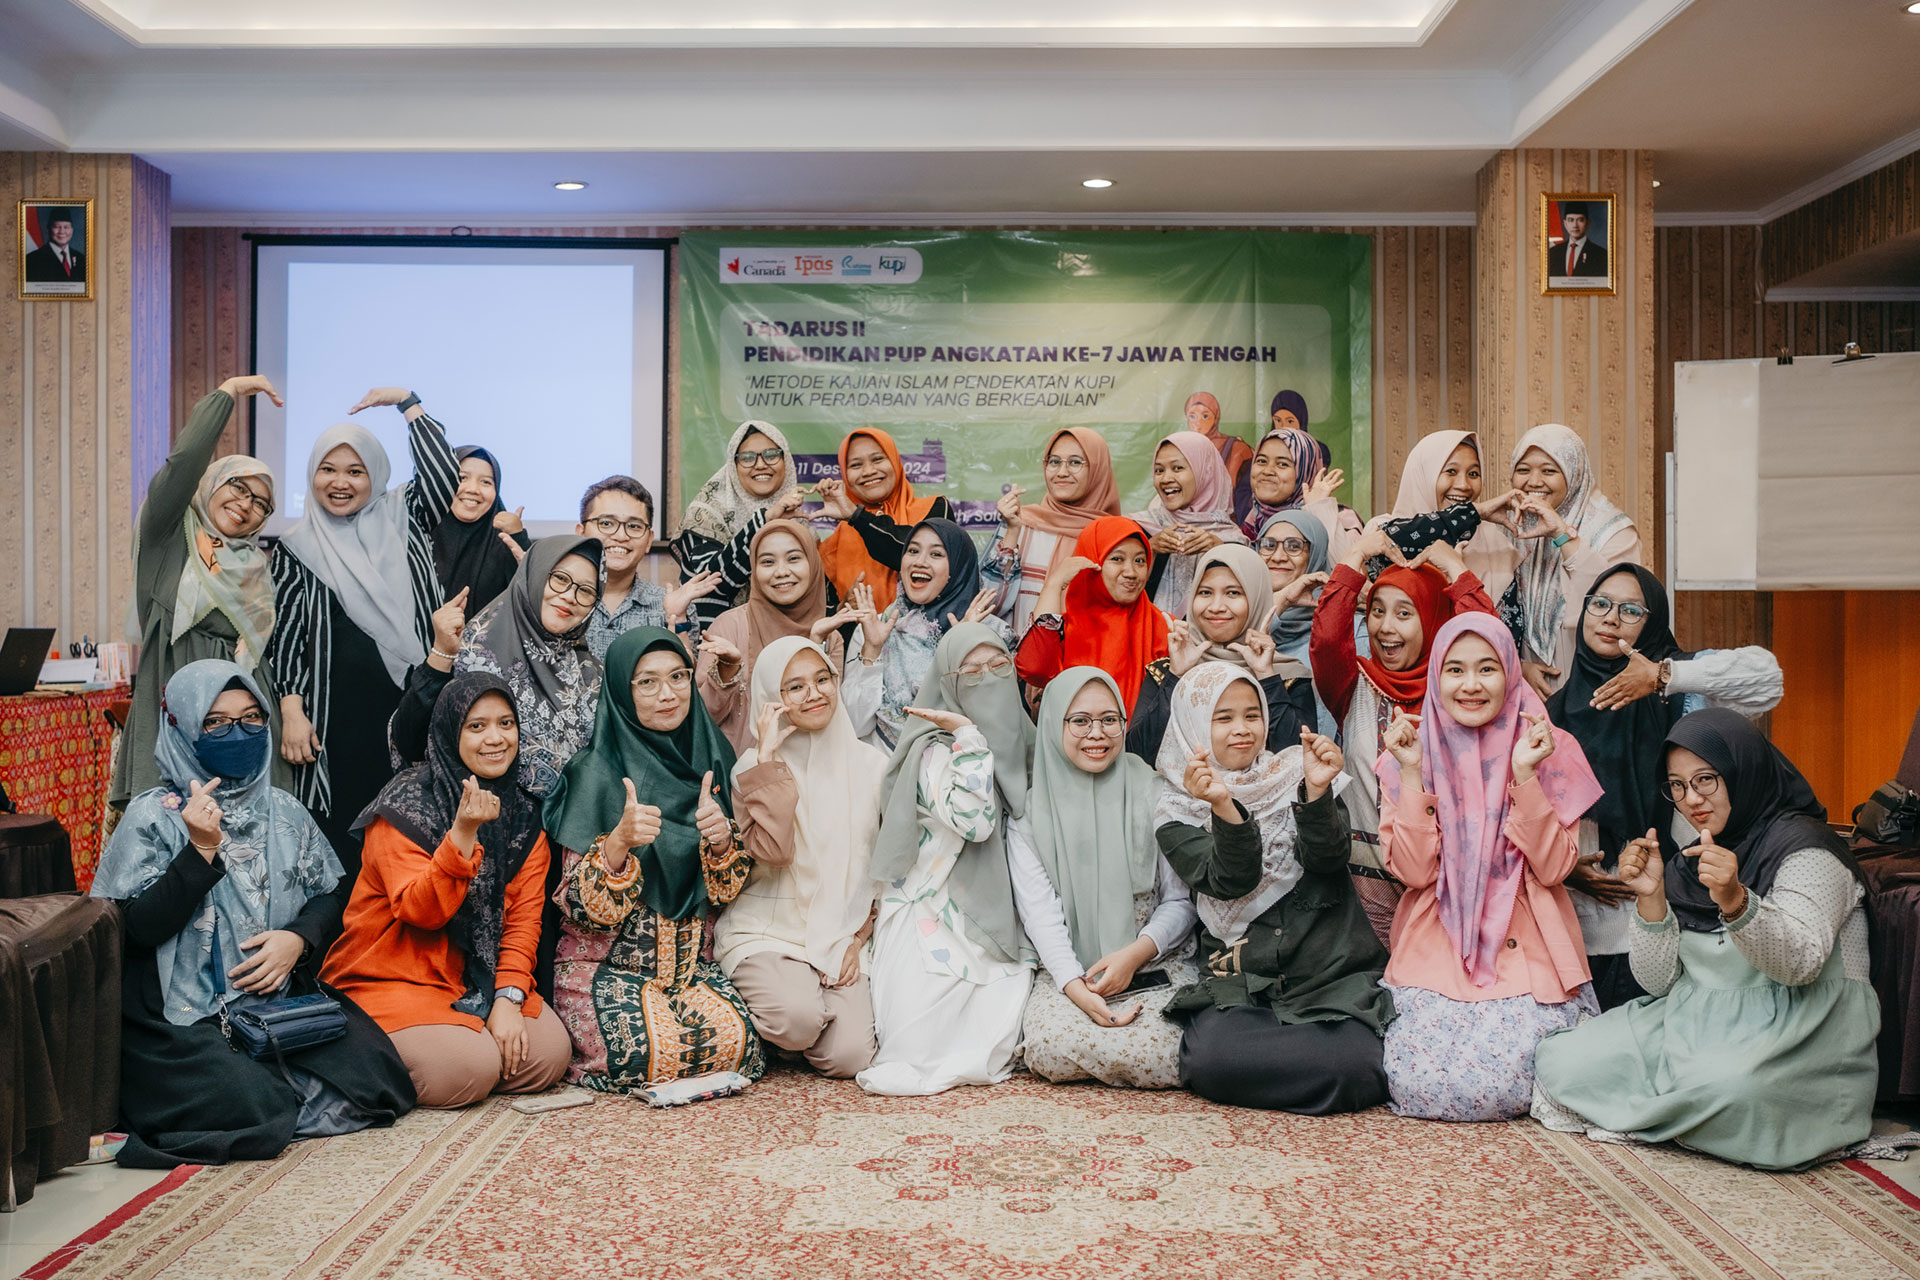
[1574, 535]
[354, 593]
[808, 796]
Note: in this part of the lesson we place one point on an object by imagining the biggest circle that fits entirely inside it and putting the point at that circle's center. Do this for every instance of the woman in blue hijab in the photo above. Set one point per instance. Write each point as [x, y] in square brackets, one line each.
[230, 896]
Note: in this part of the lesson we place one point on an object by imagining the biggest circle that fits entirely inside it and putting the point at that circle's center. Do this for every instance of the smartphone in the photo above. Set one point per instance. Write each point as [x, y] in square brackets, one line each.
[541, 1103]
[1147, 980]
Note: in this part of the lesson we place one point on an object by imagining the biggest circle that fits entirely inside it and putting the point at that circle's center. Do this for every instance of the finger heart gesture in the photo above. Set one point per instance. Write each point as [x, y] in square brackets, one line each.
[203, 815]
[1402, 739]
[1534, 746]
[771, 728]
[477, 804]
[1719, 870]
[1322, 759]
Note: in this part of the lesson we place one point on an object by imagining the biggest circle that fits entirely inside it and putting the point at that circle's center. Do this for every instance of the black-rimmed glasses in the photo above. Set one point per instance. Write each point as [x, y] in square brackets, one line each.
[1601, 606]
[1704, 785]
[583, 593]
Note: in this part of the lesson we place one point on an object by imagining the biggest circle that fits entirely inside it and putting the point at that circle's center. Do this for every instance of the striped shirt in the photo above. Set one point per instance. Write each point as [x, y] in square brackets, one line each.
[300, 654]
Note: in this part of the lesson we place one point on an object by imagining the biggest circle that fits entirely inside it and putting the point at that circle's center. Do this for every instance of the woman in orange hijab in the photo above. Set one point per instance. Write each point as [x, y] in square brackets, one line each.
[877, 510]
[1094, 611]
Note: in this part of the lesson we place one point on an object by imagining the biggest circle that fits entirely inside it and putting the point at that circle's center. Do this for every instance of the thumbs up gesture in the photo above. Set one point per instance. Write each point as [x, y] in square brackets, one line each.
[715, 831]
[639, 825]
[1720, 872]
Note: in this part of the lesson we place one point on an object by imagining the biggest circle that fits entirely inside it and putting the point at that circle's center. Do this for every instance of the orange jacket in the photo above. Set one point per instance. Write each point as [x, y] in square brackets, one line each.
[393, 957]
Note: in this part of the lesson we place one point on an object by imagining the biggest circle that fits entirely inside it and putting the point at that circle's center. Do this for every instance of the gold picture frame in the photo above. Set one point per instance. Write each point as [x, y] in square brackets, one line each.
[1593, 269]
[48, 268]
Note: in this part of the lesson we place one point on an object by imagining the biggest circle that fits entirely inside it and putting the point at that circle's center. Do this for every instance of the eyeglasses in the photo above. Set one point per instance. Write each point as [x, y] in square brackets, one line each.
[747, 459]
[1066, 464]
[799, 688]
[220, 726]
[1080, 724]
[1600, 607]
[584, 593]
[263, 507]
[1703, 785]
[999, 668]
[610, 525]
[1292, 546]
[649, 686]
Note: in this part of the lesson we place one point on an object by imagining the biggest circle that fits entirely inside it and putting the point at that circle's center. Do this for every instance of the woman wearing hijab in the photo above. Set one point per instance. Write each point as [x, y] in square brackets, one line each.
[1479, 797]
[786, 596]
[1035, 539]
[1202, 414]
[875, 503]
[1405, 608]
[1289, 1013]
[1761, 1052]
[1226, 621]
[949, 981]
[1102, 908]
[354, 595]
[644, 817]
[1441, 498]
[1289, 473]
[229, 894]
[808, 794]
[468, 553]
[1095, 612]
[1630, 683]
[893, 651]
[1574, 533]
[533, 636]
[444, 924]
[1189, 516]
[1294, 546]
[755, 484]
[201, 584]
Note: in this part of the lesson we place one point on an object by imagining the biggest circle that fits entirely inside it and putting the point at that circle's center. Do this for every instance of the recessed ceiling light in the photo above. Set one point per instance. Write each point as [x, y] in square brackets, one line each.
[1098, 184]
[1656, 182]
[569, 185]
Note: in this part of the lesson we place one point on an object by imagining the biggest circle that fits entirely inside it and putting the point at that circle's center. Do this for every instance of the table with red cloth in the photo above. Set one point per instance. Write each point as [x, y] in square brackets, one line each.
[56, 758]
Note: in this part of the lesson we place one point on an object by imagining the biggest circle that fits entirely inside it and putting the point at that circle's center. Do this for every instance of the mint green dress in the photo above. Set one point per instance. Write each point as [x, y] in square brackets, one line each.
[1728, 1062]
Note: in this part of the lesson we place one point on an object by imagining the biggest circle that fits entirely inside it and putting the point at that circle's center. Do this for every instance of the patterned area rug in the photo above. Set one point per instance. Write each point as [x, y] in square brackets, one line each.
[804, 1178]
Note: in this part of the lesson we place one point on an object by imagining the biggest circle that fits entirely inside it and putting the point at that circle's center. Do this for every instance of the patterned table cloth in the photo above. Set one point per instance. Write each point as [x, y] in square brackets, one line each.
[56, 758]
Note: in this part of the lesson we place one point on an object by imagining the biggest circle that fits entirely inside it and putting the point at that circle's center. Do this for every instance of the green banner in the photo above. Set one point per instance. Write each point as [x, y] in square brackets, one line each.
[972, 347]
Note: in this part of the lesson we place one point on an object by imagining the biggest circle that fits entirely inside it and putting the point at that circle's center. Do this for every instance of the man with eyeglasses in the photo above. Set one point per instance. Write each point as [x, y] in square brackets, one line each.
[619, 512]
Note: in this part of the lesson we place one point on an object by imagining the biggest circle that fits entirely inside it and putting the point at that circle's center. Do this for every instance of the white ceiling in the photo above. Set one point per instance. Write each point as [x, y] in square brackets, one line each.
[436, 111]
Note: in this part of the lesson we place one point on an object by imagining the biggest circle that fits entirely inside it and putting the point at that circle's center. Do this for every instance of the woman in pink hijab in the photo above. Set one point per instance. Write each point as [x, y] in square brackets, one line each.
[1480, 800]
[1191, 514]
[1203, 418]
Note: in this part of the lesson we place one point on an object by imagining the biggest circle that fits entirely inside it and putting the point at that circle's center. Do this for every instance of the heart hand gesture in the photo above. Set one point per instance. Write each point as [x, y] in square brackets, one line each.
[1323, 761]
[380, 396]
[1009, 507]
[1257, 648]
[1640, 868]
[1640, 678]
[1324, 486]
[1184, 652]
[478, 806]
[1402, 739]
[834, 501]
[1203, 782]
[1534, 746]
[450, 624]
[202, 814]
[949, 721]
[1720, 872]
[1299, 591]
[678, 599]
[771, 728]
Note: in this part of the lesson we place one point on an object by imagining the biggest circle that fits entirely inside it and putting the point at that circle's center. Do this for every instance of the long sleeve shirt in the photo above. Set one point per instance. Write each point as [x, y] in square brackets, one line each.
[1787, 934]
[1543, 955]
[732, 559]
[1045, 919]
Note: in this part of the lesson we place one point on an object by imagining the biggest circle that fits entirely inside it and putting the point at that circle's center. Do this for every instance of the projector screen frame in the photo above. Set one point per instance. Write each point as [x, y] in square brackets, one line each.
[256, 240]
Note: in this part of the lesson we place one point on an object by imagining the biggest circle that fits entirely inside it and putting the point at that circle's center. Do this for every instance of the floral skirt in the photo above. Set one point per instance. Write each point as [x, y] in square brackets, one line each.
[1470, 1059]
[1062, 1043]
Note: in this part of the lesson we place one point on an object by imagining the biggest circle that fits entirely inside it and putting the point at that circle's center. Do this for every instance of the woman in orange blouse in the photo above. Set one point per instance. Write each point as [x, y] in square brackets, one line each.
[439, 947]
[1480, 798]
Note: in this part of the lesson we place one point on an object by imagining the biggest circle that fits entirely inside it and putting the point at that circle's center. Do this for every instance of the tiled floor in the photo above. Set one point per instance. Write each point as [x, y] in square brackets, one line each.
[66, 1205]
[63, 1207]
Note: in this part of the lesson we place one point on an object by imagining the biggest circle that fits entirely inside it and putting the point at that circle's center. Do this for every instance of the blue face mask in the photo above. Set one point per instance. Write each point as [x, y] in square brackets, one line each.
[235, 753]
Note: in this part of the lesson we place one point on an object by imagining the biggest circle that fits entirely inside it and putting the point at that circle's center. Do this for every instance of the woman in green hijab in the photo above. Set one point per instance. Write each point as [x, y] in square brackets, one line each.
[949, 974]
[1111, 922]
[643, 814]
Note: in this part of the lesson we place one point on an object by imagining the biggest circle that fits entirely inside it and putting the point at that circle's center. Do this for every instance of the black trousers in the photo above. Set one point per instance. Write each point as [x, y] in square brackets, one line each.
[1246, 1057]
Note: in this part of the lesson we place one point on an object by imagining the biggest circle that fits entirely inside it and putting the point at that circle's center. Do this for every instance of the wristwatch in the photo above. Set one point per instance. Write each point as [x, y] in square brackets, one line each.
[513, 995]
[408, 403]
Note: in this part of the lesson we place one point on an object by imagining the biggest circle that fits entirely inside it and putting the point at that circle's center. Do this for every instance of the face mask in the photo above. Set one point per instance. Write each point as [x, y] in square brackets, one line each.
[235, 753]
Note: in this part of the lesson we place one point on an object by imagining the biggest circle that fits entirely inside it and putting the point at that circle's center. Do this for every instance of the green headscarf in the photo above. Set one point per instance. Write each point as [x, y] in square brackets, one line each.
[665, 767]
[981, 886]
[1093, 831]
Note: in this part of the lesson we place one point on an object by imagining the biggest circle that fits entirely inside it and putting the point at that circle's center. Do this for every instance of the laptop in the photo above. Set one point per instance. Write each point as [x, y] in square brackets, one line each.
[21, 655]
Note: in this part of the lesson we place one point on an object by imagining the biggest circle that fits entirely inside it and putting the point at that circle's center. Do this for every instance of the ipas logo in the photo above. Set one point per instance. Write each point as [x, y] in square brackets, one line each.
[866, 264]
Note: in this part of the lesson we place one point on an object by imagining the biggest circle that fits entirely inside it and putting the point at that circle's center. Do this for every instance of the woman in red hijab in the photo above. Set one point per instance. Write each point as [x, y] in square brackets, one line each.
[1405, 608]
[1094, 611]
[875, 503]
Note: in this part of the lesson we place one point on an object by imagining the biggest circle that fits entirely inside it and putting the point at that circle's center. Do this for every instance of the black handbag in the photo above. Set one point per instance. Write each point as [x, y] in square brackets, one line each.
[264, 1029]
[1892, 816]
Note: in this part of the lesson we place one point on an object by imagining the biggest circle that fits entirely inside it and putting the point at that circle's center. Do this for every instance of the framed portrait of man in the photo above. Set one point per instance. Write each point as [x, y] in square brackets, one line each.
[53, 244]
[1576, 252]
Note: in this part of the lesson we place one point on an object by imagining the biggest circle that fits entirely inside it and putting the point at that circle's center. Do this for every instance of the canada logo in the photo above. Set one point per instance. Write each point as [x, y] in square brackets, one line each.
[733, 267]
